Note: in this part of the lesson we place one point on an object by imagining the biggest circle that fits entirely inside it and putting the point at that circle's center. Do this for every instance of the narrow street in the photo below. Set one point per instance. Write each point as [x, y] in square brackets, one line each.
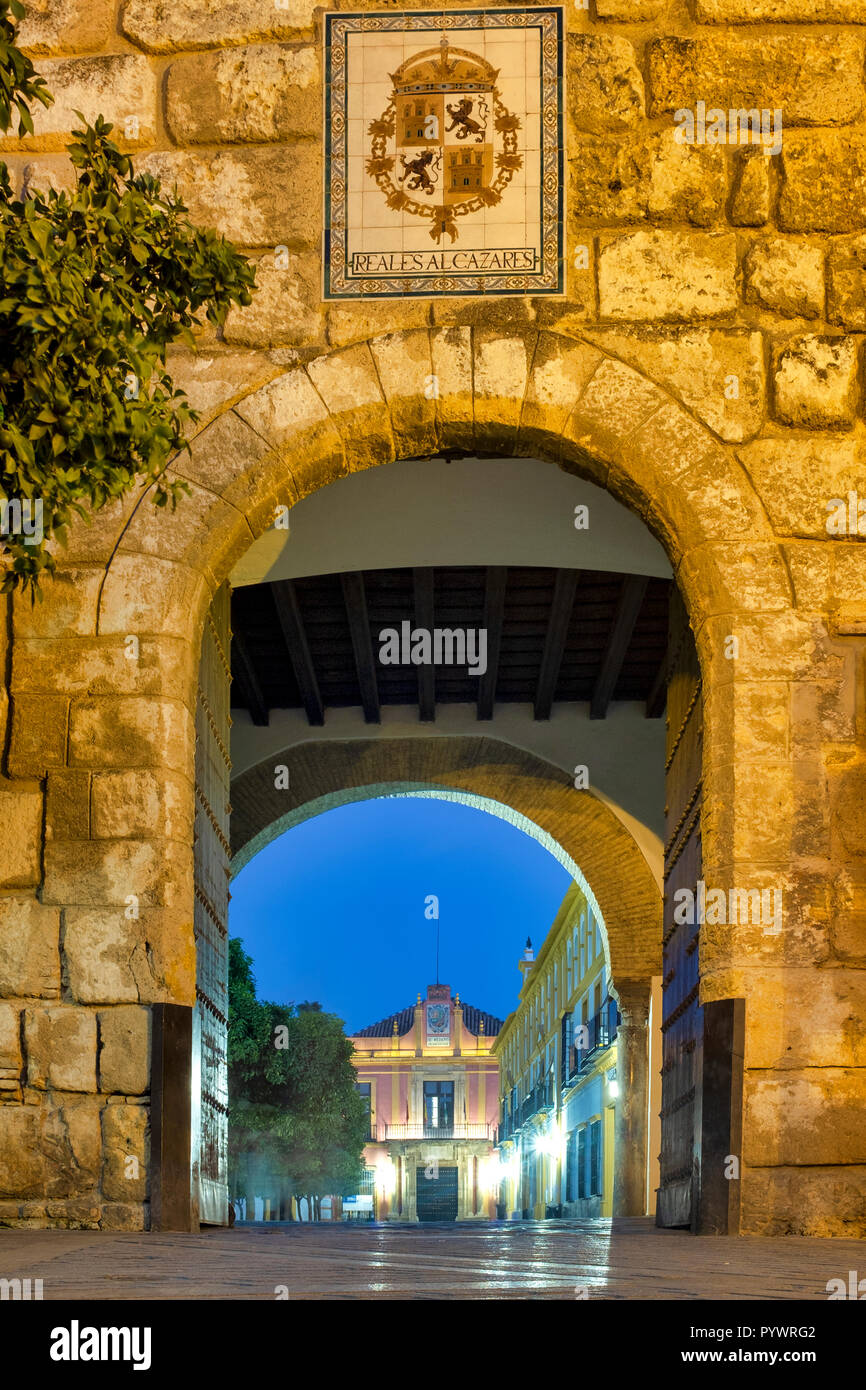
[599, 1259]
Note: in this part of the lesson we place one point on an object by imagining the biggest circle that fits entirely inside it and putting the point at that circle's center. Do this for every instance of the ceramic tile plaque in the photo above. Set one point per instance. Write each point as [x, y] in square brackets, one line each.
[443, 169]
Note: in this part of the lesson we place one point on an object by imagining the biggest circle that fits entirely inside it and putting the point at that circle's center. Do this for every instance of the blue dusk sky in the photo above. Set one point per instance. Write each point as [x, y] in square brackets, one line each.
[333, 909]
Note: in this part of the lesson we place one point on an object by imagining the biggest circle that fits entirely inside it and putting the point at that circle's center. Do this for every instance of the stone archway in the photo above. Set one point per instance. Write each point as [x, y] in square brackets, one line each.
[100, 756]
[589, 833]
[573, 825]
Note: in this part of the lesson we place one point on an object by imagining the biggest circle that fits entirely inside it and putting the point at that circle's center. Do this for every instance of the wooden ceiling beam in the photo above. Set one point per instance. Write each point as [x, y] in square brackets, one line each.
[494, 618]
[246, 681]
[423, 581]
[355, 599]
[628, 607]
[564, 589]
[292, 625]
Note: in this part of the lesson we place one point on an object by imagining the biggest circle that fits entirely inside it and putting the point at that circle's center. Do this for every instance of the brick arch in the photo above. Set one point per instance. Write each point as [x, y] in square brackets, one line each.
[328, 773]
[423, 391]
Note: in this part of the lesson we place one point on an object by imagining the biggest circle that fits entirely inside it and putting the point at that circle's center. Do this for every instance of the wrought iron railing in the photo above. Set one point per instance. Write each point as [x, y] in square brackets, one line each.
[422, 1131]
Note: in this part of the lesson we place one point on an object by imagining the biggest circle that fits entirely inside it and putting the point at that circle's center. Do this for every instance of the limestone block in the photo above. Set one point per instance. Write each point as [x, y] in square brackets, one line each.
[719, 374]
[805, 1018]
[846, 283]
[68, 608]
[10, 1038]
[214, 380]
[60, 1044]
[166, 26]
[254, 94]
[114, 960]
[848, 921]
[22, 1161]
[120, 87]
[824, 182]
[137, 803]
[501, 368]
[666, 275]
[257, 197]
[687, 182]
[779, 11]
[101, 666]
[124, 1216]
[39, 734]
[560, 370]
[290, 415]
[67, 808]
[405, 372]
[65, 26]
[146, 594]
[816, 383]
[124, 1050]
[612, 406]
[72, 1141]
[798, 1201]
[349, 386]
[126, 1152]
[354, 323]
[105, 873]
[813, 1116]
[29, 949]
[847, 790]
[787, 277]
[796, 478]
[629, 11]
[451, 357]
[614, 181]
[123, 731]
[285, 307]
[605, 86]
[814, 79]
[243, 467]
[750, 201]
[21, 818]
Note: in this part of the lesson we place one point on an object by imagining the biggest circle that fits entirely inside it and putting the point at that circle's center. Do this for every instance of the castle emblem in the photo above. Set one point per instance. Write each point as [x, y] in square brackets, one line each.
[445, 146]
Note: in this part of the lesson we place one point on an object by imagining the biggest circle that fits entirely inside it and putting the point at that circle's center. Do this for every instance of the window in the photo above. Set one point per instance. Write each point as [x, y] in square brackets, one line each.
[596, 997]
[363, 1089]
[581, 1162]
[595, 1159]
[567, 1047]
[438, 1104]
[571, 1167]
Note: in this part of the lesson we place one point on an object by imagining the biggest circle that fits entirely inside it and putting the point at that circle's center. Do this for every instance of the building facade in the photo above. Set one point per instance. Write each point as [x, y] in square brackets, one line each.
[558, 1083]
[432, 1083]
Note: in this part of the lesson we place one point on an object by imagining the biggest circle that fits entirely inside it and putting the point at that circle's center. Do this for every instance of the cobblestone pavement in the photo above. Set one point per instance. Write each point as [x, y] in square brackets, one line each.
[621, 1259]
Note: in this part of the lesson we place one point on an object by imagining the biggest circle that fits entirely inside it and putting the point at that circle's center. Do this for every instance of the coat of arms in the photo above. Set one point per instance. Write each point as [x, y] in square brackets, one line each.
[445, 145]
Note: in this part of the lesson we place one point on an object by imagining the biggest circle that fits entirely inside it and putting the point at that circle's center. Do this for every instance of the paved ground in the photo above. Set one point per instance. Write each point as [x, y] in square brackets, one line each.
[622, 1259]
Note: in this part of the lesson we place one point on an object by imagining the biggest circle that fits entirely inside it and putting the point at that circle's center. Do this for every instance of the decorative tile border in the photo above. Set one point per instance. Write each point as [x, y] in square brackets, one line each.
[444, 153]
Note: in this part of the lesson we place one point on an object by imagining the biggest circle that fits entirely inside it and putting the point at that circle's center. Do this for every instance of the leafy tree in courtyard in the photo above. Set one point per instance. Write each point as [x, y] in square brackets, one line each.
[97, 283]
[296, 1122]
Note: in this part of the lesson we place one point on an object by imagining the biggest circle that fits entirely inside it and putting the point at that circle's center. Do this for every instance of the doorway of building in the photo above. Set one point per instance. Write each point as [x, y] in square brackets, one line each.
[436, 1192]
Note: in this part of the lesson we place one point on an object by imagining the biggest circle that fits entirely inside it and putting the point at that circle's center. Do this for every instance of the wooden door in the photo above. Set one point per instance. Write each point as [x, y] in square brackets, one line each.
[209, 1082]
[682, 1017]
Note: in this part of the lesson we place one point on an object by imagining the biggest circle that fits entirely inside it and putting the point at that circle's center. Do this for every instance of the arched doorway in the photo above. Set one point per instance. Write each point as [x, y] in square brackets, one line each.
[128, 726]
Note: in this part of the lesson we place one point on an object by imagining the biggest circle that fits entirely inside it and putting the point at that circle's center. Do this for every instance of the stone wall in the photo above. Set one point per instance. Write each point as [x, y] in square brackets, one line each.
[705, 366]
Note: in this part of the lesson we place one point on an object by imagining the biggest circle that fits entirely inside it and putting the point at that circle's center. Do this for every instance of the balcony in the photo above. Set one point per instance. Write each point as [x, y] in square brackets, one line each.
[422, 1131]
[601, 1030]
